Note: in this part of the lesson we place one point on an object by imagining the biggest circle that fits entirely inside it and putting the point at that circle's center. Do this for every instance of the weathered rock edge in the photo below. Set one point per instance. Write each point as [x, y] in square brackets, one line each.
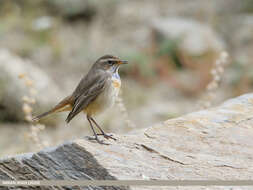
[210, 144]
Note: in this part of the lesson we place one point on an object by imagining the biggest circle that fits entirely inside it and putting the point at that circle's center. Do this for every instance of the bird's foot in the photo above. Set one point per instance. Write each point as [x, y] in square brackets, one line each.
[107, 136]
[97, 139]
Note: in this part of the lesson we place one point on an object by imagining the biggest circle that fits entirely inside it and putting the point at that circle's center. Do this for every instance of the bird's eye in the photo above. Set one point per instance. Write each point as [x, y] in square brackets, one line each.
[110, 62]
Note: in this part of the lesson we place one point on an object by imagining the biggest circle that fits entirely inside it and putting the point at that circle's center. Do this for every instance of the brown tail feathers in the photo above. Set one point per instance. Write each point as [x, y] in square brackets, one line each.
[64, 105]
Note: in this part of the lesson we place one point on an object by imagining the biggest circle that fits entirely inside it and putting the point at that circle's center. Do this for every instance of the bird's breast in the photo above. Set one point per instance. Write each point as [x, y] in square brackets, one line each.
[115, 87]
[107, 98]
[116, 83]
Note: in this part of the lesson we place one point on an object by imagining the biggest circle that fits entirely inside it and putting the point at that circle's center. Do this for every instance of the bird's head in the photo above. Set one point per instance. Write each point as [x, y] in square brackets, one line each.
[109, 63]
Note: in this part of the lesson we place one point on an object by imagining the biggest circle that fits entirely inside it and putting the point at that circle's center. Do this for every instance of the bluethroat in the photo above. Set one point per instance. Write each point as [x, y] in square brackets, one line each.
[96, 92]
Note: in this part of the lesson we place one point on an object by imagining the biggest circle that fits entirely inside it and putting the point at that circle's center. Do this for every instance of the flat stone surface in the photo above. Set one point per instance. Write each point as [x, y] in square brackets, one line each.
[214, 144]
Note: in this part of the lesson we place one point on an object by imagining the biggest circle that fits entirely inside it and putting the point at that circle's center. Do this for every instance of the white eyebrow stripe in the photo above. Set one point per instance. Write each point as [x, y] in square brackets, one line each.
[109, 59]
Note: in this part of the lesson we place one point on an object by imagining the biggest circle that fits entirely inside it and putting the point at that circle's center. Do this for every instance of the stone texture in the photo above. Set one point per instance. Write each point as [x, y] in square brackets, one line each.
[12, 89]
[206, 145]
[75, 9]
[193, 37]
[238, 31]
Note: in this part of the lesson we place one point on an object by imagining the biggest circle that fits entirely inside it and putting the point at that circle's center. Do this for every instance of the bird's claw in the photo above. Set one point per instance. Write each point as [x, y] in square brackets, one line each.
[107, 136]
[99, 141]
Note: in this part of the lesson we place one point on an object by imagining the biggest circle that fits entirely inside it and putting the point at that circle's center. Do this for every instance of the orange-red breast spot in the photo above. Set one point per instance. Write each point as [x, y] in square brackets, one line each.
[116, 84]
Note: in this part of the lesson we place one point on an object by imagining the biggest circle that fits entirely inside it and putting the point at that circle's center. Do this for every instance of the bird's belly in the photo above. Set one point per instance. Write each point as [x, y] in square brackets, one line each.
[106, 99]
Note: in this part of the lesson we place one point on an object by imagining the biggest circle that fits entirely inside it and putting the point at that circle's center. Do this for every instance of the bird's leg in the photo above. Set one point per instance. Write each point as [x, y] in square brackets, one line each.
[95, 134]
[102, 132]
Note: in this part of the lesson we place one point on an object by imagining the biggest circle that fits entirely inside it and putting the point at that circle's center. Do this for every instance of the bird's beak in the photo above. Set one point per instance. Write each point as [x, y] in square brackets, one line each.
[122, 62]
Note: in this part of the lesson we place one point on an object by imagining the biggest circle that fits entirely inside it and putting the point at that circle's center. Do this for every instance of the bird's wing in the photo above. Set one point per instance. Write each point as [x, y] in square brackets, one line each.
[86, 92]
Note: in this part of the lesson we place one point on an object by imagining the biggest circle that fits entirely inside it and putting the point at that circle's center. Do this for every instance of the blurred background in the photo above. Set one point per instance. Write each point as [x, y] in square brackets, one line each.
[176, 49]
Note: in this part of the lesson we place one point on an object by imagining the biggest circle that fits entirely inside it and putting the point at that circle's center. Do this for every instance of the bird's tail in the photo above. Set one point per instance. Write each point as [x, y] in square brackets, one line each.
[64, 105]
[37, 118]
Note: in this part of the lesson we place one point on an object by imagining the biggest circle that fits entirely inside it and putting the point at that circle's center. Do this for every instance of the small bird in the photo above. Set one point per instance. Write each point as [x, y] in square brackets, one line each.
[96, 92]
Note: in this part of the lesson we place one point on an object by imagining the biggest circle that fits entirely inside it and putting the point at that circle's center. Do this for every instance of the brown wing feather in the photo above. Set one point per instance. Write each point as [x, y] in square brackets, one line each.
[86, 92]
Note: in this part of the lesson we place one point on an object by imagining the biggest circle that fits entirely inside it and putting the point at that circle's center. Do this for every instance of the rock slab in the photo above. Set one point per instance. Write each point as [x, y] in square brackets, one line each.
[213, 144]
